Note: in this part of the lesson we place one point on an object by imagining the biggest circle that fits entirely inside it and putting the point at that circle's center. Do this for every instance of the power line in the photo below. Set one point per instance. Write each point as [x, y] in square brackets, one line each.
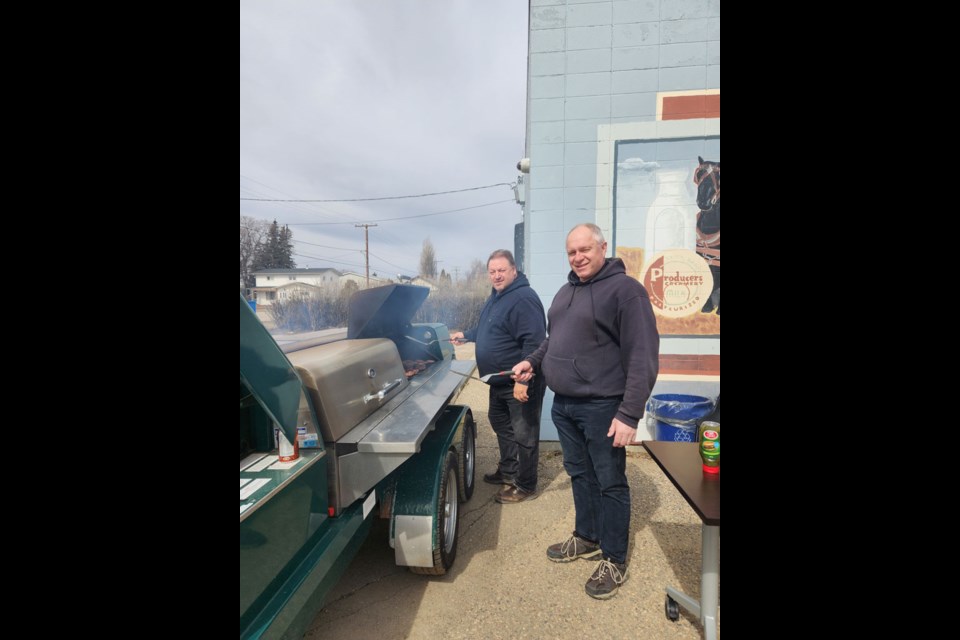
[389, 263]
[422, 215]
[333, 259]
[418, 195]
[312, 209]
[324, 246]
[349, 264]
[307, 255]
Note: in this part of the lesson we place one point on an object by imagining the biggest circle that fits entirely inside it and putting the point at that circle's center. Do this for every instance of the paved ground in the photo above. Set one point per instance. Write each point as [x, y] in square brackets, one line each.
[503, 586]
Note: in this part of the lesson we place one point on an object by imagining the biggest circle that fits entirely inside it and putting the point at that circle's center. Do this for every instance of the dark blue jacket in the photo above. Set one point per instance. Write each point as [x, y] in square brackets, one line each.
[511, 327]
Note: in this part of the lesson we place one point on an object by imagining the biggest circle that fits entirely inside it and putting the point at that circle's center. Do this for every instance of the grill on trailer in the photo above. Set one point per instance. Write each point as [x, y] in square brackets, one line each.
[372, 415]
[377, 402]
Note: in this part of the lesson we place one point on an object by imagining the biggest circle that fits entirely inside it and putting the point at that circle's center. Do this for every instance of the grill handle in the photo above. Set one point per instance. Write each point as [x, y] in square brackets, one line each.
[380, 395]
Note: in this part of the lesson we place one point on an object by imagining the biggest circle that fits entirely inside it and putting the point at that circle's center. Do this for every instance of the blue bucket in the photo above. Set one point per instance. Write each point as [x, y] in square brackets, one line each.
[677, 415]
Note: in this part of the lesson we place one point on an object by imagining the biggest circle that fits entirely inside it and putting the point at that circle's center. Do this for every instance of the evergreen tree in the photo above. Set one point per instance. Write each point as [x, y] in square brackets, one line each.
[285, 249]
[270, 247]
[276, 250]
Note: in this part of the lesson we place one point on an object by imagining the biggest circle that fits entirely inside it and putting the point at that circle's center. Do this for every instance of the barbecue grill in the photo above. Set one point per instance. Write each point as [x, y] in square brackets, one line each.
[371, 414]
[377, 398]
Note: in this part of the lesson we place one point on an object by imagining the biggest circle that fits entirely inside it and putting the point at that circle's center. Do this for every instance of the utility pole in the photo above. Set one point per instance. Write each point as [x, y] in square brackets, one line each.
[366, 241]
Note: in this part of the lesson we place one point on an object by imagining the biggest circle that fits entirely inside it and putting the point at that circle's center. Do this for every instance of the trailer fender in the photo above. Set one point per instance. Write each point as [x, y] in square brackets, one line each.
[413, 529]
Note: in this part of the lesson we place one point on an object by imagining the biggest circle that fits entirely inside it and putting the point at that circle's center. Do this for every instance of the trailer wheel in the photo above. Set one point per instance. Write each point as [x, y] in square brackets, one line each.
[467, 458]
[446, 522]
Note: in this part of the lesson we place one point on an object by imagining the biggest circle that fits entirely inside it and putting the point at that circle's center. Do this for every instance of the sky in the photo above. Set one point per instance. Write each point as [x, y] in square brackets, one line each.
[345, 100]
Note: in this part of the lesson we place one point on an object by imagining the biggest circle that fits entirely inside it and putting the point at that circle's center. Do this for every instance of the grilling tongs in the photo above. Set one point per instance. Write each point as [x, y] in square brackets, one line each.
[489, 376]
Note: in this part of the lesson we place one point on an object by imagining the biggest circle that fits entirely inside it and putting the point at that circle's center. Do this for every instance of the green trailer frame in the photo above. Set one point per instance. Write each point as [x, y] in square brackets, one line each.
[294, 545]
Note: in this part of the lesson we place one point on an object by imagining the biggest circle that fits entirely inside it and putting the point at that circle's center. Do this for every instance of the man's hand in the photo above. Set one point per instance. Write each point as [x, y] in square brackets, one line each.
[523, 371]
[623, 434]
[457, 336]
[520, 392]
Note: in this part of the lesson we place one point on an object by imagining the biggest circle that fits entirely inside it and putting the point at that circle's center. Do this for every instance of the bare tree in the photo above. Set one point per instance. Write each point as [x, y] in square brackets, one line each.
[428, 260]
[477, 272]
[477, 279]
[253, 234]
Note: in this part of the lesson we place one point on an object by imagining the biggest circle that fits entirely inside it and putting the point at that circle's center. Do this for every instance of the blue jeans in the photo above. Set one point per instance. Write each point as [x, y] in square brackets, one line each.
[517, 425]
[597, 470]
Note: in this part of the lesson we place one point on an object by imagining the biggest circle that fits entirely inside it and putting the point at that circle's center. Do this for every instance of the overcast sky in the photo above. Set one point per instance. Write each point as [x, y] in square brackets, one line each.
[342, 99]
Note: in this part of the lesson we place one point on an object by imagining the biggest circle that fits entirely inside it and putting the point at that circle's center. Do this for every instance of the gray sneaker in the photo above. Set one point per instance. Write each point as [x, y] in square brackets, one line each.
[575, 547]
[606, 580]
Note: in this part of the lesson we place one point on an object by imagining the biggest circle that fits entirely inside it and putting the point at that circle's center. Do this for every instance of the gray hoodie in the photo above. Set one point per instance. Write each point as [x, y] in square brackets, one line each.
[602, 341]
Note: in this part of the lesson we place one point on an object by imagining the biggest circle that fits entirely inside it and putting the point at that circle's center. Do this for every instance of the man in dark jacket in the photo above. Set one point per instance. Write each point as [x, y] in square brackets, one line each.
[601, 360]
[511, 327]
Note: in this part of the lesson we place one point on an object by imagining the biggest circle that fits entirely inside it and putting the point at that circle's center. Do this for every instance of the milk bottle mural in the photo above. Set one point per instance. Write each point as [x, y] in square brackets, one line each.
[655, 214]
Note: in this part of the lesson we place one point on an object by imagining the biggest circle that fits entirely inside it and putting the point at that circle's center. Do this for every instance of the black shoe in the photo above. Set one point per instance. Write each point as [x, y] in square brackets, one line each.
[606, 580]
[575, 547]
[497, 478]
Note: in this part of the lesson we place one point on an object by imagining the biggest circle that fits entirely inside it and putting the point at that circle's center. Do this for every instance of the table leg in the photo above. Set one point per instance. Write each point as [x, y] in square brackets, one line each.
[710, 580]
[706, 608]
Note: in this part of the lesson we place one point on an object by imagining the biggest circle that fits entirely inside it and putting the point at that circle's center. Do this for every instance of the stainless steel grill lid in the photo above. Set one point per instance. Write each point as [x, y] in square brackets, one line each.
[384, 312]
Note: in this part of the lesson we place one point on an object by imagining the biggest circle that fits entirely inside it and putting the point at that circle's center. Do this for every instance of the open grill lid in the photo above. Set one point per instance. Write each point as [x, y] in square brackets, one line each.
[267, 373]
[384, 312]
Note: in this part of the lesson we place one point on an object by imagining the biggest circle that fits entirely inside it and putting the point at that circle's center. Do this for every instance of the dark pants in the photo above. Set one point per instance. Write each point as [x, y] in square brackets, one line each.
[597, 470]
[517, 425]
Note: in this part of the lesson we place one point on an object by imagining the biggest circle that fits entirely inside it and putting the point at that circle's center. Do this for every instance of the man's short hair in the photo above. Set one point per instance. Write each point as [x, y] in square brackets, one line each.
[594, 229]
[502, 253]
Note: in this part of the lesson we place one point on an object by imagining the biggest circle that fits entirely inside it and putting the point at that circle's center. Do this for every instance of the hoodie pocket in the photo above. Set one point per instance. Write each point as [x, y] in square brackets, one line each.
[564, 376]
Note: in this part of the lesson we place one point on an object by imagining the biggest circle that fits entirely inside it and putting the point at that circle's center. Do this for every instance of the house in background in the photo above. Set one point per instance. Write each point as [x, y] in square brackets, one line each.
[420, 281]
[283, 284]
[287, 284]
[361, 280]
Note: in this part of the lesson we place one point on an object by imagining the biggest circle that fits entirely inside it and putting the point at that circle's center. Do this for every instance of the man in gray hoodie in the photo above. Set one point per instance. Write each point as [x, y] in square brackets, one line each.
[601, 360]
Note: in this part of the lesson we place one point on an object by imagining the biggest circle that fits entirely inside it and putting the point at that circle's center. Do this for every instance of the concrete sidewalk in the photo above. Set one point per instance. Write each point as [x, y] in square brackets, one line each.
[503, 586]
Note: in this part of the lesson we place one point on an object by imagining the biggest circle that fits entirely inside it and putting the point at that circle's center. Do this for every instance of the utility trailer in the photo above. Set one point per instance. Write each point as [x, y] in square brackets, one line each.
[380, 438]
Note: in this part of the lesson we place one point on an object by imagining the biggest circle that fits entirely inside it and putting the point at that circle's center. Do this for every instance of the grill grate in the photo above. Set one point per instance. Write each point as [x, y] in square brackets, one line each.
[412, 368]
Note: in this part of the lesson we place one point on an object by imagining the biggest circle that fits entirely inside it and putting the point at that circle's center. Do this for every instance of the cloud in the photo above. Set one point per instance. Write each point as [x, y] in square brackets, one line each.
[637, 165]
[355, 100]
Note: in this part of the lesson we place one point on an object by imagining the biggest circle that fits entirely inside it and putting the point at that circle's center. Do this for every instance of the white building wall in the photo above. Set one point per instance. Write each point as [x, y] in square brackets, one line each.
[595, 70]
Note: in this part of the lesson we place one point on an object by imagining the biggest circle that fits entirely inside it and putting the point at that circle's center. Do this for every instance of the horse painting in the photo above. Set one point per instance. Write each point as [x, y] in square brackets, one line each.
[707, 179]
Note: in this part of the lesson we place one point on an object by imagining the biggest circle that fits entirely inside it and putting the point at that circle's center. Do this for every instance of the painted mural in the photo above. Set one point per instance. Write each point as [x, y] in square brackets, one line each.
[707, 179]
[667, 228]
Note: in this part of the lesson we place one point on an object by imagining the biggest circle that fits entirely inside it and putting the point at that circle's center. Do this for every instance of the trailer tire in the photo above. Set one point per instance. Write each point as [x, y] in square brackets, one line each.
[446, 522]
[467, 458]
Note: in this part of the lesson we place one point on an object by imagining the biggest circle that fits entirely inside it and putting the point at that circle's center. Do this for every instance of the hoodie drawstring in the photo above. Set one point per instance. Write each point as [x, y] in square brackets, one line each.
[593, 310]
[593, 307]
